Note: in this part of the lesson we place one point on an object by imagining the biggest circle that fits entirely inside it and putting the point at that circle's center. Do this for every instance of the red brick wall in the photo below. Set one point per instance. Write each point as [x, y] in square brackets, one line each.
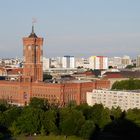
[33, 54]
[102, 84]
[22, 92]
[10, 91]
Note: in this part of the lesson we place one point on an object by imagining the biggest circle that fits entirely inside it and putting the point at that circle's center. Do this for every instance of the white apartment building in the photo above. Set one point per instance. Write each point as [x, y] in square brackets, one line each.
[46, 63]
[79, 62]
[119, 62]
[115, 62]
[124, 99]
[138, 61]
[126, 60]
[56, 62]
[98, 62]
[68, 62]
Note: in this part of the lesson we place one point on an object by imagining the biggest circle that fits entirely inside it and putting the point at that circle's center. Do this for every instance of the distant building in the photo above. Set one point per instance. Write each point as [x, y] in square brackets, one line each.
[98, 62]
[138, 61]
[68, 62]
[126, 60]
[119, 62]
[79, 62]
[11, 62]
[115, 62]
[124, 99]
[56, 62]
[134, 61]
[3, 71]
[46, 63]
[120, 75]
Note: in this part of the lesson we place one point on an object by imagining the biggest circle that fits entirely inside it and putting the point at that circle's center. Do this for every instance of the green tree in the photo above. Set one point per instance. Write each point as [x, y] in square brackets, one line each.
[30, 121]
[39, 103]
[72, 104]
[11, 115]
[87, 129]
[130, 84]
[130, 66]
[49, 122]
[100, 115]
[134, 115]
[71, 121]
[42, 131]
[110, 67]
[3, 107]
[85, 109]
[15, 130]
[1, 136]
[116, 112]
[47, 77]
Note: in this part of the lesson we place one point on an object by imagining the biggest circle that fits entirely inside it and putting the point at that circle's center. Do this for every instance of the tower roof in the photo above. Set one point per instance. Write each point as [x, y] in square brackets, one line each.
[32, 35]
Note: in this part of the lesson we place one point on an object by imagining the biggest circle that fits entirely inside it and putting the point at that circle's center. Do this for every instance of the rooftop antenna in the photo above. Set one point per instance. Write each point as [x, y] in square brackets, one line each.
[33, 22]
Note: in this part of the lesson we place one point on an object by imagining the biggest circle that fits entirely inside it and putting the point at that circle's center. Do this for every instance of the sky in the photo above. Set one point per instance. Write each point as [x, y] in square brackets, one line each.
[72, 27]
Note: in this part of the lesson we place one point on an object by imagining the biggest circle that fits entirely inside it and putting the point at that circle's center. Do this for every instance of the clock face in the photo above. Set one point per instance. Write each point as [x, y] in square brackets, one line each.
[29, 47]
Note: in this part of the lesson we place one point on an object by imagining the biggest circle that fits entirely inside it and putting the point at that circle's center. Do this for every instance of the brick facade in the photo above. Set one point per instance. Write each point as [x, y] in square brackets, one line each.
[30, 83]
[33, 55]
[20, 93]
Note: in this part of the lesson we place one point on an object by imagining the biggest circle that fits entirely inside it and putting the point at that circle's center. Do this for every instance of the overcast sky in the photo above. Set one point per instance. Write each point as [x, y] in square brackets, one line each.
[72, 27]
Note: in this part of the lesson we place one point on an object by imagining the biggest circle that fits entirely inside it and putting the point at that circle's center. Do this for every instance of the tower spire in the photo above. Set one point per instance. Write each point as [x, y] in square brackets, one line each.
[32, 34]
[33, 29]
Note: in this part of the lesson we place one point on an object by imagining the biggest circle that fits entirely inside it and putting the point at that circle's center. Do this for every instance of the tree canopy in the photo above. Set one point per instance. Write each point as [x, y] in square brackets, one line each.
[130, 84]
[88, 122]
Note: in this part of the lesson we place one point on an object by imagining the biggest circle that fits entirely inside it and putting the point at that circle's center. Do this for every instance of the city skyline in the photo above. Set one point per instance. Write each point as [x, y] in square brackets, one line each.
[80, 28]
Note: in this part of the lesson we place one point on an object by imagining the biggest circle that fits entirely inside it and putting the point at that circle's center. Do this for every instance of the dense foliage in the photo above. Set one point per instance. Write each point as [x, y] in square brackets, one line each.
[130, 84]
[47, 76]
[94, 122]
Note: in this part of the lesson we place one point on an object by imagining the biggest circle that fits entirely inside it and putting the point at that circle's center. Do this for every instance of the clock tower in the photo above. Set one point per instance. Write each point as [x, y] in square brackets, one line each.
[33, 57]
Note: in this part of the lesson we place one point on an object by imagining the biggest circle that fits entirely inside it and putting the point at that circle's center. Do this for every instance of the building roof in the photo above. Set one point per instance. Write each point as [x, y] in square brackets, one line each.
[32, 35]
[131, 74]
[113, 75]
[122, 74]
[14, 71]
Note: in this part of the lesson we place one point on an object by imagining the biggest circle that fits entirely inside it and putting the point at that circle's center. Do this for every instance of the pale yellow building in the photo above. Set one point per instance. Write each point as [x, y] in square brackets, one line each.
[124, 99]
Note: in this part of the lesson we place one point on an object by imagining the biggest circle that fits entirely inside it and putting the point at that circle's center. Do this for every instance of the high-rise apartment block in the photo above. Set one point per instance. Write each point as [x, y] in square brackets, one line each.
[98, 62]
[68, 62]
[119, 62]
[46, 63]
[126, 60]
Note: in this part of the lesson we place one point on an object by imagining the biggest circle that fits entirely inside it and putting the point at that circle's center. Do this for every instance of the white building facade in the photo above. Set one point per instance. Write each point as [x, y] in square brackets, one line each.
[138, 61]
[124, 99]
[68, 62]
[98, 62]
[46, 63]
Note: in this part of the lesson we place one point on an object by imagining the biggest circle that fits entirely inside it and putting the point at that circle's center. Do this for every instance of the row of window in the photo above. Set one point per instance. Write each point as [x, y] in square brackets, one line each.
[45, 95]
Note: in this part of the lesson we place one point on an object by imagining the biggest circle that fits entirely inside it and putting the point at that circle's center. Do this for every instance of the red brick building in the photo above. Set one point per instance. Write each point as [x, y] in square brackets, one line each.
[31, 84]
